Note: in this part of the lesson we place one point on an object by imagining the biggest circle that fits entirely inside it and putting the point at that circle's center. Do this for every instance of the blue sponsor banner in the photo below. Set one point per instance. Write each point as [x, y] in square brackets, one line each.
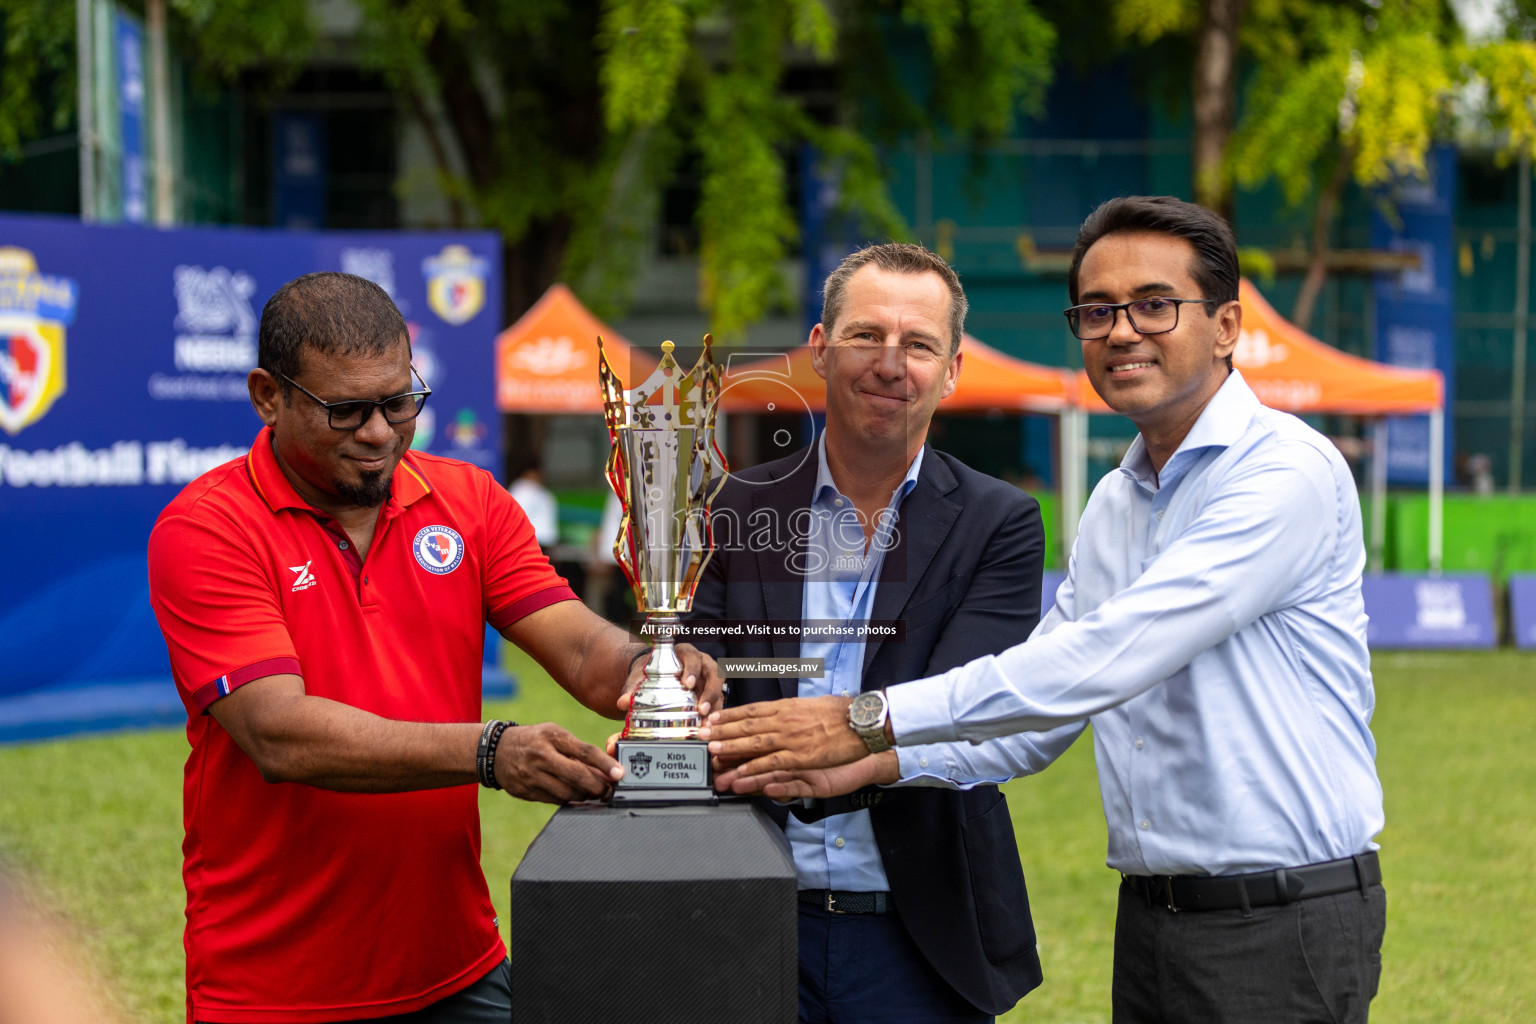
[130, 106]
[1522, 611]
[1415, 308]
[123, 357]
[1455, 610]
[298, 170]
[825, 235]
[1410, 611]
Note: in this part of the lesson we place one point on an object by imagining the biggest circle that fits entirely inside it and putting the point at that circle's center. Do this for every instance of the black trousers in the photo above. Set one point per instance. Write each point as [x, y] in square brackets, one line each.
[1315, 960]
[865, 969]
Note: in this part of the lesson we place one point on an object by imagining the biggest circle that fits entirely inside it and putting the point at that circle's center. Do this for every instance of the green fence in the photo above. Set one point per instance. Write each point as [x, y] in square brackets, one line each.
[1495, 535]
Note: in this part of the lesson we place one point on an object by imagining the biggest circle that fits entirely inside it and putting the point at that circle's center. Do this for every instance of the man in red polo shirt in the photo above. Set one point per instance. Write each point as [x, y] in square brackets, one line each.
[324, 601]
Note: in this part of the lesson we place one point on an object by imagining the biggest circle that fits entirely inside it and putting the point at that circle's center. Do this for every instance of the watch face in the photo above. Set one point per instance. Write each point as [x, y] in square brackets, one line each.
[865, 711]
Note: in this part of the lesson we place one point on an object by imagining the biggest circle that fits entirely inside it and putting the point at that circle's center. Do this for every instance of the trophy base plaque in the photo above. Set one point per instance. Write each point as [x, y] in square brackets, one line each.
[682, 914]
[663, 771]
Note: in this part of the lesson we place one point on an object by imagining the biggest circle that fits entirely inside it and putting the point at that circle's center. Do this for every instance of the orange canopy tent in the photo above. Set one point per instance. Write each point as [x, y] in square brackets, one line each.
[988, 380]
[1288, 369]
[547, 361]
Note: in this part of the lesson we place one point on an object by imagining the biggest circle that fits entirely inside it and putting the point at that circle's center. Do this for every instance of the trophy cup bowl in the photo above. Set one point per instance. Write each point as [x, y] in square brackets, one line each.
[688, 871]
[665, 468]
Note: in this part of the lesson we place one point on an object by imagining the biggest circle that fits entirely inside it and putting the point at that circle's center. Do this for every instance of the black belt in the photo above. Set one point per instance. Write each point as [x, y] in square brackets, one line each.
[837, 901]
[1259, 889]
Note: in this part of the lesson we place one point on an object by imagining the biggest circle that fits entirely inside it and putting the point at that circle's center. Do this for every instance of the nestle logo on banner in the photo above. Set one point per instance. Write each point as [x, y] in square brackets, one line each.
[218, 323]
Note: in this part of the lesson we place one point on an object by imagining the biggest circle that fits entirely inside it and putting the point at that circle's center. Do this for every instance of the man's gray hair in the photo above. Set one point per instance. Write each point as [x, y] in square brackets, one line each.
[899, 258]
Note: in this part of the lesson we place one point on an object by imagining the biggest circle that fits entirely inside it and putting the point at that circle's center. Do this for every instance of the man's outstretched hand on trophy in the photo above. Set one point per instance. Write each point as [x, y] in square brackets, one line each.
[819, 783]
[793, 748]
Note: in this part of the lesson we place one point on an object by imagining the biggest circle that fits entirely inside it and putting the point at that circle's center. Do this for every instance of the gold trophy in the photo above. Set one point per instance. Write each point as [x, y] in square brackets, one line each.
[665, 468]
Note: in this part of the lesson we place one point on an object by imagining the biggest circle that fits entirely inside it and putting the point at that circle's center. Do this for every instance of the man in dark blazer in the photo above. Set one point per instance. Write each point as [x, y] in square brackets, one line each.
[913, 904]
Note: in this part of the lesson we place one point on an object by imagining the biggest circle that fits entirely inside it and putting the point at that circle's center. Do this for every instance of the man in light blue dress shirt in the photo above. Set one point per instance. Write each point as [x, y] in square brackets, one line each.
[1211, 627]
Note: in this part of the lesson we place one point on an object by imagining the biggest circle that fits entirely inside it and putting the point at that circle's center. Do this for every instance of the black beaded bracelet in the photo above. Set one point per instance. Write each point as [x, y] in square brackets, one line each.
[638, 655]
[485, 757]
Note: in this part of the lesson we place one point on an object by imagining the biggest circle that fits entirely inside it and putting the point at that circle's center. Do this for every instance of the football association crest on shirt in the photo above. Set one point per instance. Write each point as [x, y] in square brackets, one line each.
[439, 549]
[34, 310]
[455, 283]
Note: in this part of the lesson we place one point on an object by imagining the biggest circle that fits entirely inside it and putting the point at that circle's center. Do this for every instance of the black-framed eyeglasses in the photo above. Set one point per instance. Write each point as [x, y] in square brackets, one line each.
[351, 414]
[1156, 314]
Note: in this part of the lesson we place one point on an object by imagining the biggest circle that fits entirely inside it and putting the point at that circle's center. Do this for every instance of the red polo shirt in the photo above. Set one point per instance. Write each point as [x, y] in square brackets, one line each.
[304, 904]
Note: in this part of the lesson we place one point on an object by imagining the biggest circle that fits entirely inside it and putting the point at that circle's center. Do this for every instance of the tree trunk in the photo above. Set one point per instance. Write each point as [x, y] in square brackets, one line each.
[533, 263]
[559, 69]
[1322, 224]
[439, 150]
[1215, 96]
[465, 106]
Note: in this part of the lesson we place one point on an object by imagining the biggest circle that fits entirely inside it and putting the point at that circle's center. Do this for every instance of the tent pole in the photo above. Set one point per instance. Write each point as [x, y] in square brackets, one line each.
[1074, 476]
[1436, 488]
[1082, 470]
[1378, 494]
[1066, 461]
[1063, 475]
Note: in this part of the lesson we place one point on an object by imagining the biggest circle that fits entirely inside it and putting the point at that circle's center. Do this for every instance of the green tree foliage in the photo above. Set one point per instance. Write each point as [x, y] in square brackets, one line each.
[1339, 91]
[565, 116]
[1146, 21]
[225, 37]
[1374, 85]
[1359, 91]
[38, 86]
[37, 70]
[664, 80]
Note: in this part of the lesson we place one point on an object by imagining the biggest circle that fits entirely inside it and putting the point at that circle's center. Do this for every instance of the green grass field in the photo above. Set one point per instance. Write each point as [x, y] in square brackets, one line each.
[96, 821]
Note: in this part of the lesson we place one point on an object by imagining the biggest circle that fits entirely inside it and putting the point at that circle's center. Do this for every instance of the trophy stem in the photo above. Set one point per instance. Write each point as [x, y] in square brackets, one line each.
[663, 709]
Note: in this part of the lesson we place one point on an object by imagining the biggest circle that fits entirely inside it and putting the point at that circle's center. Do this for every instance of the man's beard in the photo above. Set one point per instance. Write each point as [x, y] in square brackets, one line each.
[370, 492]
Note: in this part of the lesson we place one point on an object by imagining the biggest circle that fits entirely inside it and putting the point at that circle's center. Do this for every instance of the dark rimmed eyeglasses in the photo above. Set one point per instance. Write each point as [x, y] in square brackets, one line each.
[353, 413]
[1156, 314]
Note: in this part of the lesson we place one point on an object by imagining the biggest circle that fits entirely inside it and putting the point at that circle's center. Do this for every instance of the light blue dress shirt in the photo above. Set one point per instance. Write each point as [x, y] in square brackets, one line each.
[1212, 626]
[839, 852]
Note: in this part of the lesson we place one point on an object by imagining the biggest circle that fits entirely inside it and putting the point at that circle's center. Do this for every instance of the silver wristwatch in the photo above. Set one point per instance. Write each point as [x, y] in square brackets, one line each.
[866, 716]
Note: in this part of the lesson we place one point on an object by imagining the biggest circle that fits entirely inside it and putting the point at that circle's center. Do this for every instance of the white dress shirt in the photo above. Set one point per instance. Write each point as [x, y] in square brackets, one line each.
[539, 505]
[1211, 626]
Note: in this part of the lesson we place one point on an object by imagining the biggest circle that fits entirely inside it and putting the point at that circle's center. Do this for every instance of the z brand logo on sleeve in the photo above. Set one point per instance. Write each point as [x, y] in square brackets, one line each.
[439, 549]
[303, 578]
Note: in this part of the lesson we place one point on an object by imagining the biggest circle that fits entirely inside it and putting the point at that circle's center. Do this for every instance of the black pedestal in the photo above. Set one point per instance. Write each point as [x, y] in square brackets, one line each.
[642, 915]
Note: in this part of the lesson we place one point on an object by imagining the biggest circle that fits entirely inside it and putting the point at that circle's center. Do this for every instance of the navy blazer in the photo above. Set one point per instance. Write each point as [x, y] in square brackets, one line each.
[964, 577]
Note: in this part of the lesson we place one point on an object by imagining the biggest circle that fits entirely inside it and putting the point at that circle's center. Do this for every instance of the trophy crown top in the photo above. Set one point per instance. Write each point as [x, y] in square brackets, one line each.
[667, 346]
